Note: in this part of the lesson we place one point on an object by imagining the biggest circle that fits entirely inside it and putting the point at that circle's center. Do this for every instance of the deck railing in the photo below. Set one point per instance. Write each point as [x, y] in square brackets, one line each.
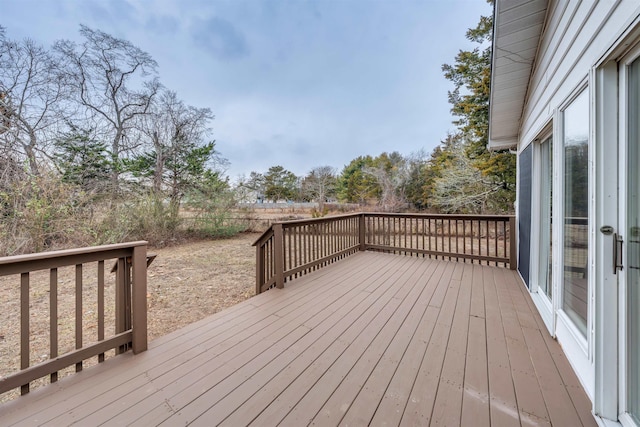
[130, 277]
[293, 248]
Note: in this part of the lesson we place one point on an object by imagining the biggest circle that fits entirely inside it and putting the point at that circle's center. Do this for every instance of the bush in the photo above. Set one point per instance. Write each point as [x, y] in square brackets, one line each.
[42, 213]
[213, 216]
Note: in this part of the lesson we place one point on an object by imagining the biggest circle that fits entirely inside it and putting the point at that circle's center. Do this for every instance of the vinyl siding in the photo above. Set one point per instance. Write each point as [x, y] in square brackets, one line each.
[577, 35]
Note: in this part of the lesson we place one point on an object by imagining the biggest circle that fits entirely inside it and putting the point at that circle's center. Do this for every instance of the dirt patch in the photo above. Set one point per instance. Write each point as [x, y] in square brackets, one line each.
[189, 282]
[186, 283]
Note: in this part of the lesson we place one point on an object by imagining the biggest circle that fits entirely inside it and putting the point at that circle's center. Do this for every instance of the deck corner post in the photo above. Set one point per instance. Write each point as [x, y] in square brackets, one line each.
[513, 253]
[279, 254]
[362, 232]
[139, 299]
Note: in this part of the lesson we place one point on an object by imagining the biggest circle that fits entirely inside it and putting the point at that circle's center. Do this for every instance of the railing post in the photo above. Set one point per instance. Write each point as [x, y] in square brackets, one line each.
[278, 258]
[362, 232]
[513, 253]
[139, 299]
[259, 268]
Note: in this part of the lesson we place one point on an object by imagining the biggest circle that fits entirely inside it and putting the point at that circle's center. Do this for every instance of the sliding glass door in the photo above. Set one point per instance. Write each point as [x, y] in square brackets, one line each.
[545, 285]
[632, 316]
[576, 212]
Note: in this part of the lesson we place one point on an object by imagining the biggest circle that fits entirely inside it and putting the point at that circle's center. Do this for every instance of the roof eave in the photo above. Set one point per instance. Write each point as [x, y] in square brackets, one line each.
[502, 144]
[518, 26]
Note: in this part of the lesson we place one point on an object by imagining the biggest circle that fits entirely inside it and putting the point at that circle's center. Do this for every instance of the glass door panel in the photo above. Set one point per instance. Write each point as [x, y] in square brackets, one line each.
[633, 245]
[576, 211]
[546, 173]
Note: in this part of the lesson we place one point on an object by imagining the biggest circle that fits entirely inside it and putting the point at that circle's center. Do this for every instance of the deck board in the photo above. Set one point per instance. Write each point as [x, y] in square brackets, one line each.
[423, 395]
[377, 339]
[358, 395]
[323, 330]
[326, 372]
[503, 406]
[352, 320]
[531, 404]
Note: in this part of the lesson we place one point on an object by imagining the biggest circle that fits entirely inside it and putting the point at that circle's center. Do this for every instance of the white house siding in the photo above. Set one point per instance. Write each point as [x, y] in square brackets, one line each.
[576, 36]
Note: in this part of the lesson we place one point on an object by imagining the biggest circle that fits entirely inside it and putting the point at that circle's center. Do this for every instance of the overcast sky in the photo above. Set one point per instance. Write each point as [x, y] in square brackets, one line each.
[297, 83]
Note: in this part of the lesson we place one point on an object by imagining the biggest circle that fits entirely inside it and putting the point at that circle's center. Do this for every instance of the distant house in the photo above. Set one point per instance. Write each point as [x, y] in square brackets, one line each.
[566, 96]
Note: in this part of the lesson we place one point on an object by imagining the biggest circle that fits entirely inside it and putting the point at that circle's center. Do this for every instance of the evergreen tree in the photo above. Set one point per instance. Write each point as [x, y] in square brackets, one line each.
[82, 160]
[280, 184]
[471, 76]
[354, 184]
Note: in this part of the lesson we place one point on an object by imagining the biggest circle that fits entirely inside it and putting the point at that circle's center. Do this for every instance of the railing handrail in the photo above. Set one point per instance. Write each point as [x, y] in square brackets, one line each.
[273, 253]
[438, 216]
[264, 236]
[130, 306]
[304, 221]
[70, 252]
[15, 264]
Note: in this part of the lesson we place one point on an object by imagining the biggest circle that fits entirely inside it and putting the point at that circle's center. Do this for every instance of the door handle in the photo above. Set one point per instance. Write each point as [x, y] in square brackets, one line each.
[617, 252]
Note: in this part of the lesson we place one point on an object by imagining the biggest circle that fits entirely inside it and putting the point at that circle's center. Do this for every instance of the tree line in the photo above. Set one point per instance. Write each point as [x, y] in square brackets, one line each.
[95, 149]
[459, 176]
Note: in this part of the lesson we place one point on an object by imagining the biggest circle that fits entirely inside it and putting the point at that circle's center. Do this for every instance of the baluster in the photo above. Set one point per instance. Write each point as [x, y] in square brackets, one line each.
[429, 233]
[100, 306]
[423, 232]
[449, 232]
[287, 261]
[457, 240]
[53, 319]
[78, 312]
[512, 243]
[487, 239]
[471, 238]
[404, 244]
[479, 241]
[504, 240]
[435, 224]
[495, 240]
[24, 327]
[296, 237]
[394, 233]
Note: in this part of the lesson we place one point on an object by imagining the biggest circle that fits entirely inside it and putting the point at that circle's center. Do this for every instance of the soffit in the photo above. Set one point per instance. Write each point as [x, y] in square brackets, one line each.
[518, 26]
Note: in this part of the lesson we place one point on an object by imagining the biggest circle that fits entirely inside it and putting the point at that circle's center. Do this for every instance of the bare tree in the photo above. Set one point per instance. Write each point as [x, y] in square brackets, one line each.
[390, 172]
[31, 87]
[320, 184]
[103, 71]
[173, 129]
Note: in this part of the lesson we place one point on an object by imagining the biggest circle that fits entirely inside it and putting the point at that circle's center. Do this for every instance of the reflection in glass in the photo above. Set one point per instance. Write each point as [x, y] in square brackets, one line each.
[546, 173]
[576, 211]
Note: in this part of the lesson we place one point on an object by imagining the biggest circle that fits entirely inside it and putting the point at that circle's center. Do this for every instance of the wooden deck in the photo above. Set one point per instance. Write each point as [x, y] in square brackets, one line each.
[374, 339]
